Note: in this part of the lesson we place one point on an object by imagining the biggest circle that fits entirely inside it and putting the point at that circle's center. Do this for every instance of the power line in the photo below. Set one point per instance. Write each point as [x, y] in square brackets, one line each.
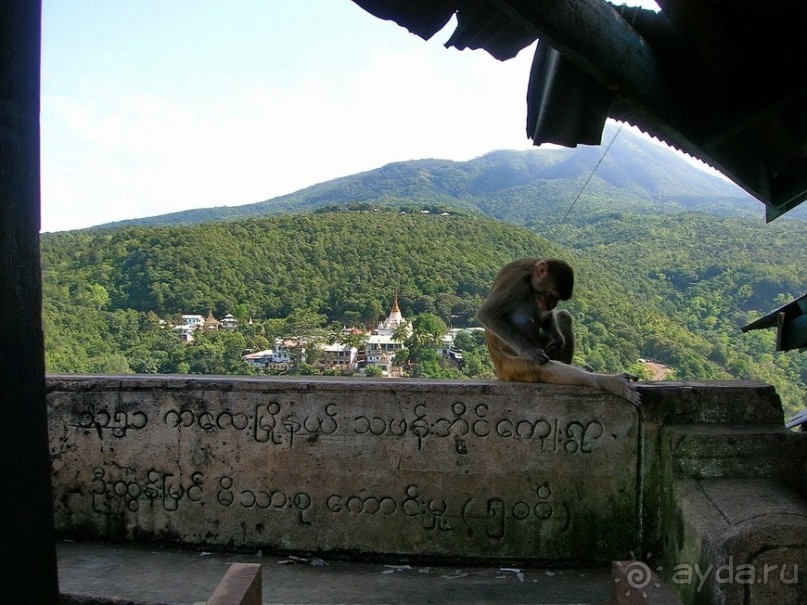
[602, 157]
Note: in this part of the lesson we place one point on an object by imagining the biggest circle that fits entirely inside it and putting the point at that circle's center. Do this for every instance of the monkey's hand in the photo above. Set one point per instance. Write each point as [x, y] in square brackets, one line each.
[621, 384]
[536, 355]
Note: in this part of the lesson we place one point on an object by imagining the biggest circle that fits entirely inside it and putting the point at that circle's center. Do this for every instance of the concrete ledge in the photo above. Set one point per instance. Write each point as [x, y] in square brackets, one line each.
[727, 403]
[443, 469]
[483, 470]
[709, 451]
[736, 541]
[75, 598]
[701, 408]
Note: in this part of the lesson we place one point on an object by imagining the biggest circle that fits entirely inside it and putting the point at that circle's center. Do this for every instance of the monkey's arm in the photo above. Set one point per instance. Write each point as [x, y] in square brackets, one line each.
[510, 328]
[560, 373]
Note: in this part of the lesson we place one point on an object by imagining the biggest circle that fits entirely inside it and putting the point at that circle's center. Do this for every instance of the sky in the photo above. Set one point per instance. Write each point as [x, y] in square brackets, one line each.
[157, 106]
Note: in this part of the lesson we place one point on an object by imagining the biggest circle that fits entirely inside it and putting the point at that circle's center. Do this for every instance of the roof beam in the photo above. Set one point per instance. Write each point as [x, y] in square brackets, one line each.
[596, 37]
[714, 99]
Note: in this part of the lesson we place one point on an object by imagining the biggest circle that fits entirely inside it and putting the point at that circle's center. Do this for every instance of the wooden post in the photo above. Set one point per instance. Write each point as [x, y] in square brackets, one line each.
[241, 585]
[28, 564]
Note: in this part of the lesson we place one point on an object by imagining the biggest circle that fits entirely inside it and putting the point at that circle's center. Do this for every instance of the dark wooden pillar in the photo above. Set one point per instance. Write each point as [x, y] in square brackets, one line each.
[28, 567]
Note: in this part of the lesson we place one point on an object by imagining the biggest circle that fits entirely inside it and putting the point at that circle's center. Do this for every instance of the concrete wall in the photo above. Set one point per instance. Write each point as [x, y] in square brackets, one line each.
[490, 470]
[487, 470]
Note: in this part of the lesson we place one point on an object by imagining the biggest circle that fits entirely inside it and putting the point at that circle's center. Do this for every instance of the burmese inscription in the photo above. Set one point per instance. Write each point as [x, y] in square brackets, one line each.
[481, 469]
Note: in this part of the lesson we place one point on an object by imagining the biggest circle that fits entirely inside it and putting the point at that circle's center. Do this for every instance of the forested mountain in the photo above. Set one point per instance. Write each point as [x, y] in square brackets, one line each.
[671, 262]
[672, 287]
[635, 175]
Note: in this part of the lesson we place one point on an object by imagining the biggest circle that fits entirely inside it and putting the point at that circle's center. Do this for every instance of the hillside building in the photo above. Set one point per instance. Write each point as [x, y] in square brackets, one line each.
[192, 321]
[388, 326]
[211, 323]
[340, 357]
[382, 346]
[187, 326]
[260, 360]
[189, 323]
[278, 359]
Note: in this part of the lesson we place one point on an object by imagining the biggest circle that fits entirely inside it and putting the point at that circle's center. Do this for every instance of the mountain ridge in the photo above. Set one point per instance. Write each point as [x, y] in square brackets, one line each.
[635, 174]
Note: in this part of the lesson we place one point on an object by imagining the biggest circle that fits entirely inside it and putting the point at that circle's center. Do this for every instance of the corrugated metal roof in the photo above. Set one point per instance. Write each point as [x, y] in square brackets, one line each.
[723, 80]
[790, 322]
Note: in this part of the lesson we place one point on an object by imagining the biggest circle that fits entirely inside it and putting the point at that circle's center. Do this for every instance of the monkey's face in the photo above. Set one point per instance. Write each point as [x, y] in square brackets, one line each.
[546, 301]
[551, 285]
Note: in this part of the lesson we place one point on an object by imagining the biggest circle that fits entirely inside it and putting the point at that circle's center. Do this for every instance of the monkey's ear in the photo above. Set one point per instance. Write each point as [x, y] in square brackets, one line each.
[541, 268]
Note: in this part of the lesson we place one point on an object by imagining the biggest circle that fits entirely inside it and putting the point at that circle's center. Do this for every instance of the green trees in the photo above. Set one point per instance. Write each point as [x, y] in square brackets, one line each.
[675, 288]
[415, 335]
[422, 337]
[305, 329]
[427, 331]
[475, 359]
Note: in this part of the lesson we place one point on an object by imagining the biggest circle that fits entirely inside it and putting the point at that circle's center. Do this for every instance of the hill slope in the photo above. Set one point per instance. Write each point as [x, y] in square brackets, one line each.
[638, 295]
[636, 175]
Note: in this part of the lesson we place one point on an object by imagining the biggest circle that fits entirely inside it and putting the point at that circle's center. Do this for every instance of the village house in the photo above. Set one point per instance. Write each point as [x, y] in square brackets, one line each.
[381, 348]
[189, 323]
[260, 360]
[211, 323]
[277, 359]
[340, 357]
[192, 321]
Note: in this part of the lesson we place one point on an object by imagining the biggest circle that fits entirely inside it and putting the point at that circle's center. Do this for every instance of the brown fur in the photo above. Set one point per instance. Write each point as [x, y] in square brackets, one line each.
[528, 340]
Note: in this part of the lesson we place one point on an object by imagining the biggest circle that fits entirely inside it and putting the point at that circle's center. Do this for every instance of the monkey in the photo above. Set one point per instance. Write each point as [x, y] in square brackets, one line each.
[528, 339]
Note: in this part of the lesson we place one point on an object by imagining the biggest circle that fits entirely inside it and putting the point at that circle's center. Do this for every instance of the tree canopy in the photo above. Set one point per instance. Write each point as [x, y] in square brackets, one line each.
[674, 288]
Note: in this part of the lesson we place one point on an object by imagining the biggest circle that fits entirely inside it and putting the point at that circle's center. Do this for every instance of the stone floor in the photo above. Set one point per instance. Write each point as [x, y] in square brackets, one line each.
[104, 573]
